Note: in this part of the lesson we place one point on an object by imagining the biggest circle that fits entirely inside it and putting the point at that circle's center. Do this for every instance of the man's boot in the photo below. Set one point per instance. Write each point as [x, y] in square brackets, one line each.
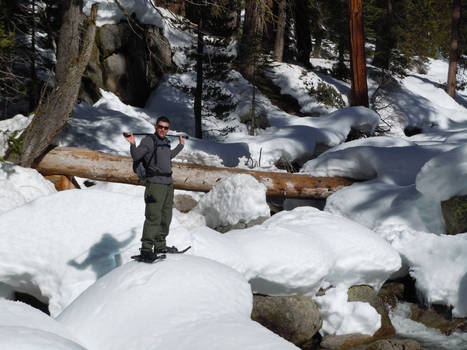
[147, 256]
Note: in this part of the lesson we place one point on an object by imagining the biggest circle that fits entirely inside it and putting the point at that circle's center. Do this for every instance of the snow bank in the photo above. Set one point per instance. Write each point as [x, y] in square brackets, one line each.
[239, 198]
[295, 81]
[439, 177]
[180, 303]
[438, 263]
[391, 198]
[19, 186]
[24, 328]
[58, 245]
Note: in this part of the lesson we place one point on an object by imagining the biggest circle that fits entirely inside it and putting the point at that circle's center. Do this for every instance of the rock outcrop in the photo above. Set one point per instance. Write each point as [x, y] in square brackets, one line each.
[295, 318]
[128, 59]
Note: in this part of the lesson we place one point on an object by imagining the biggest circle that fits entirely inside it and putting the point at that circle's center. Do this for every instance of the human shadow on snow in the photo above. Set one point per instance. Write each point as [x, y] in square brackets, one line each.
[104, 255]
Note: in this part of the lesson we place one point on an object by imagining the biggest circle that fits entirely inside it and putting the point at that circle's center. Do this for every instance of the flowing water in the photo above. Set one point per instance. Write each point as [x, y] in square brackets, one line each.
[429, 338]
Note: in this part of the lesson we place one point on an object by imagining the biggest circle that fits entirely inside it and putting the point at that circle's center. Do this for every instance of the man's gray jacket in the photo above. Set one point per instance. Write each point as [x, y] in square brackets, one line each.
[161, 161]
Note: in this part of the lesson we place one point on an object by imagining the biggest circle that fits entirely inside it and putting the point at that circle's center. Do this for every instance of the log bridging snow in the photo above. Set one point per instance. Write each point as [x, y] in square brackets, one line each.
[116, 168]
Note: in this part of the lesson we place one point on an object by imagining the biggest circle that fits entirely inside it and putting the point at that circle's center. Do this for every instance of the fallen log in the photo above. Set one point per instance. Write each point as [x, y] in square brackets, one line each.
[100, 166]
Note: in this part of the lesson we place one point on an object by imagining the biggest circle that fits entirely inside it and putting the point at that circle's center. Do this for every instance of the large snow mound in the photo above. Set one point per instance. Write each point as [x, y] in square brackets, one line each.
[182, 302]
[299, 251]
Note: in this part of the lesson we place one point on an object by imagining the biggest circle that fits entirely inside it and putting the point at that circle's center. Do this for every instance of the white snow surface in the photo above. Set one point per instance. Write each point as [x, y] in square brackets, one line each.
[436, 177]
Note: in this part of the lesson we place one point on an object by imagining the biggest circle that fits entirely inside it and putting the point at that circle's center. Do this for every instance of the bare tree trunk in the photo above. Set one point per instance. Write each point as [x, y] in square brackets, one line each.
[52, 115]
[199, 79]
[454, 49]
[89, 164]
[250, 45]
[359, 89]
[302, 31]
[69, 38]
[279, 41]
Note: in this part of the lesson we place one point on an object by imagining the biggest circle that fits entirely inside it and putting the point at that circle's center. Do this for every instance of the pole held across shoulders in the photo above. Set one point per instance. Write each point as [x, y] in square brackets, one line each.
[128, 134]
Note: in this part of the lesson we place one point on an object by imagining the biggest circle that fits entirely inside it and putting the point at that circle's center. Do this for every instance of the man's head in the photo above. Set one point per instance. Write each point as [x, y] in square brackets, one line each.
[162, 126]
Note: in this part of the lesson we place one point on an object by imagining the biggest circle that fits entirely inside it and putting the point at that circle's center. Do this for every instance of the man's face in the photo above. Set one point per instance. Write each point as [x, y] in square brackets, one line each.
[162, 128]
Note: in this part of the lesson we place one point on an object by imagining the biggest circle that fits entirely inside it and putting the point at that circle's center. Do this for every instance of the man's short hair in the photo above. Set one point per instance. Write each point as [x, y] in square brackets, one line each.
[164, 119]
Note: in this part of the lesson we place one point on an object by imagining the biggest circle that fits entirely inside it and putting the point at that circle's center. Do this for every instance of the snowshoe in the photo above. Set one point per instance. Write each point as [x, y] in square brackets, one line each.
[148, 257]
[174, 250]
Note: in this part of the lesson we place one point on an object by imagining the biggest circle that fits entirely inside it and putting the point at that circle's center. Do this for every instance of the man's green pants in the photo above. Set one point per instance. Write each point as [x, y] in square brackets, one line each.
[159, 203]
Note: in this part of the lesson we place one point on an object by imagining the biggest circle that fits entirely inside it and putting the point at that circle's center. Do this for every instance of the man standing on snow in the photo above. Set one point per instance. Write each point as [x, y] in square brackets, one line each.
[159, 193]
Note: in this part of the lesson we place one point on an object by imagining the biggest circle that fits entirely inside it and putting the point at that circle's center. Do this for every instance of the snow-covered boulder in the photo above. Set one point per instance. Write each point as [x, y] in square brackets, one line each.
[438, 263]
[239, 198]
[182, 302]
[19, 186]
[24, 328]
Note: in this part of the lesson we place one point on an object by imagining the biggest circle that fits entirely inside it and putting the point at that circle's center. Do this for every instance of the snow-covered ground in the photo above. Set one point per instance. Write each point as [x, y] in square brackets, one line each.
[72, 249]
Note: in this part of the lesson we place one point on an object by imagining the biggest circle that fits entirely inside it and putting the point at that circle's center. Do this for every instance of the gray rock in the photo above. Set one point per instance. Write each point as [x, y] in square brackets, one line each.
[184, 202]
[295, 318]
[110, 39]
[391, 293]
[345, 341]
[455, 214]
[367, 294]
[394, 344]
[241, 225]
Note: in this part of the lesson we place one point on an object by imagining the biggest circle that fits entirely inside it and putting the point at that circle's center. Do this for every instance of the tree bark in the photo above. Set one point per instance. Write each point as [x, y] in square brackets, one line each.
[115, 168]
[279, 41]
[302, 32]
[52, 115]
[69, 38]
[454, 49]
[359, 88]
[250, 44]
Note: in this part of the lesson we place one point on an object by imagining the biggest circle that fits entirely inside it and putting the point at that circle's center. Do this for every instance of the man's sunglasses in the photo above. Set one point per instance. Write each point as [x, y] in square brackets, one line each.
[162, 127]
